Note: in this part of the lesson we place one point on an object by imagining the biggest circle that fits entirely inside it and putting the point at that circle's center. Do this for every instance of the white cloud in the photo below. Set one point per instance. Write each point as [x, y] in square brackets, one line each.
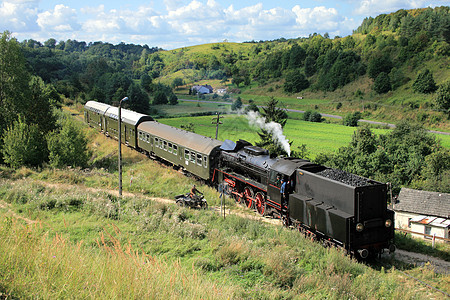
[62, 18]
[181, 23]
[376, 7]
[19, 16]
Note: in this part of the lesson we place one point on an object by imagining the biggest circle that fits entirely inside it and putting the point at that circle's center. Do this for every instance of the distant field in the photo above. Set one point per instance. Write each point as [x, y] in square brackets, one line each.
[317, 137]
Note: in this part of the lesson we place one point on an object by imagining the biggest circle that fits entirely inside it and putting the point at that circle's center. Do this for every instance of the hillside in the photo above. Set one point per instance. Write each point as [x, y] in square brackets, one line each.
[65, 233]
[373, 70]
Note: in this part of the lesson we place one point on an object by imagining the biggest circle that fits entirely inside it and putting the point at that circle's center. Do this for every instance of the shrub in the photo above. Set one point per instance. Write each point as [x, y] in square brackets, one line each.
[442, 97]
[68, 146]
[382, 83]
[23, 145]
[351, 119]
[424, 83]
[237, 104]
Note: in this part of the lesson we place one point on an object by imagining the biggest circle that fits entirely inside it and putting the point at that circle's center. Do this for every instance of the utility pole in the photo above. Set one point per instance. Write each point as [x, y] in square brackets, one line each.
[120, 144]
[217, 122]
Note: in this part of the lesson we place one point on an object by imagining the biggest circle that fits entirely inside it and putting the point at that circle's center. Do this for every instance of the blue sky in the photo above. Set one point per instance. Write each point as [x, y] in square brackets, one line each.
[171, 24]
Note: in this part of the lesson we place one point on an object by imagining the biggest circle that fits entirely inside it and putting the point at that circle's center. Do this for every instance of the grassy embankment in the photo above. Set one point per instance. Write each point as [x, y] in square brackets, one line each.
[65, 234]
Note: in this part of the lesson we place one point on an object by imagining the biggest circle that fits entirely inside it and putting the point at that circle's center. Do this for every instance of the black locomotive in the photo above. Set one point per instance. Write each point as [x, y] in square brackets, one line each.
[331, 206]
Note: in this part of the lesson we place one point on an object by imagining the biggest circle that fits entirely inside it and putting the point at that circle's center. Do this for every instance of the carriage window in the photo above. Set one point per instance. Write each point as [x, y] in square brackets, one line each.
[193, 157]
[147, 138]
[175, 149]
[140, 135]
[186, 154]
[205, 161]
[165, 145]
[156, 142]
[170, 148]
[199, 159]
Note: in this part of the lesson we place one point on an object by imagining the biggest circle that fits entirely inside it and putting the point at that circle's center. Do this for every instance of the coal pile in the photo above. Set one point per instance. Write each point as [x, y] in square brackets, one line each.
[345, 177]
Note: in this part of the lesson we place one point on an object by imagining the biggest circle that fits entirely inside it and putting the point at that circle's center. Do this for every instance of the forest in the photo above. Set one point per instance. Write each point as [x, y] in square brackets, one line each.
[406, 53]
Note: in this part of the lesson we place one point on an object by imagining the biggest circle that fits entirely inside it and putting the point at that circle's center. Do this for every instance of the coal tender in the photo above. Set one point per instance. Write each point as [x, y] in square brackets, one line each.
[343, 209]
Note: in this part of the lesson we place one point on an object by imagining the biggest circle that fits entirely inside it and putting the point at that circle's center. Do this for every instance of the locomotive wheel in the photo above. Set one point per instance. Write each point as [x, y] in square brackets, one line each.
[248, 195]
[260, 204]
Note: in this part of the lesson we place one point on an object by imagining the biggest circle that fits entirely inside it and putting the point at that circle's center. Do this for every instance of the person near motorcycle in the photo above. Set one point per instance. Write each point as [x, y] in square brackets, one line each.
[194, 192]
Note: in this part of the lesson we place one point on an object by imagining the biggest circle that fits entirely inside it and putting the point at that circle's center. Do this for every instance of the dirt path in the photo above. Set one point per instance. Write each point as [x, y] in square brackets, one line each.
[6, 206]
[419, 259]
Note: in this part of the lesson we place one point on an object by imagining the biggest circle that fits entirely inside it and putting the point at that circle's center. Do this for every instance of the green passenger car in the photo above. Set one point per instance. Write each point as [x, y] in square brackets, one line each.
[94, 114]
[105, 118]
[195, 153]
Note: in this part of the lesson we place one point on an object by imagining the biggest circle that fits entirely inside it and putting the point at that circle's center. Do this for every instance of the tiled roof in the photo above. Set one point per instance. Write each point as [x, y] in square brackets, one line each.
[423, 203]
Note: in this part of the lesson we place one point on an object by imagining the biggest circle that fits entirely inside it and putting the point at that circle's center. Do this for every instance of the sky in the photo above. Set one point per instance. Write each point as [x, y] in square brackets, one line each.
[171, 24]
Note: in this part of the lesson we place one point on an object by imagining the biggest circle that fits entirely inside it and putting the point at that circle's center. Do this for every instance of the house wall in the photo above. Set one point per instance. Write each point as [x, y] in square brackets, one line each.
[439, 231]
[402, 218]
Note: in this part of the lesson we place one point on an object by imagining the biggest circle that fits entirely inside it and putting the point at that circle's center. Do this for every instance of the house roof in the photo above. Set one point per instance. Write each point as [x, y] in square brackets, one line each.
[423, 203]
[432, 221]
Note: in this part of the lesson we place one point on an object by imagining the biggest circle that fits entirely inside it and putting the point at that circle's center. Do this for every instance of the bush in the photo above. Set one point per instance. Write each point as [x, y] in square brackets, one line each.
[351, 119]
[442, 97]
[312, 116]
[68, 146]
[160, 98]
[382, 83]
[173, 99]
[424, 83]
[23, 145]
[237, 104]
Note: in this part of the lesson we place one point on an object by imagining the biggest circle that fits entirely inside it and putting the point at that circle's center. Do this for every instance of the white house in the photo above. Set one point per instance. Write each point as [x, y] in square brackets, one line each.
[203, 89]
[423, 212]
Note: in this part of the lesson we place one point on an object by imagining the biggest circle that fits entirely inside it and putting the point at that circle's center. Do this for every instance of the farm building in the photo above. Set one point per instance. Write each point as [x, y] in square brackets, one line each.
[203, 89]
[423, 212]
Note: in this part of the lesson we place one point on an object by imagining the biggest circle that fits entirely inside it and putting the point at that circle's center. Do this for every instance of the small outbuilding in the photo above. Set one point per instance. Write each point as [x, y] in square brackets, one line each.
[424, 213]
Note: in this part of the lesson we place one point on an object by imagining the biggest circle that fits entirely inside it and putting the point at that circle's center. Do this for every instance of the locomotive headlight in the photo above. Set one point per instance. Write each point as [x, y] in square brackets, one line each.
[388, 223]
[359, 227]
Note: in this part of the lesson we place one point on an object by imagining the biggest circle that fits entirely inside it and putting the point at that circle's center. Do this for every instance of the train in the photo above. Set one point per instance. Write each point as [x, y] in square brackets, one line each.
[331, 206]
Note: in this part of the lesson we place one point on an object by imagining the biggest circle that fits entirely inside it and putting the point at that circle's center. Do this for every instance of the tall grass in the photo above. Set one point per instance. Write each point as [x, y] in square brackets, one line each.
[86, 243]
[33, 265]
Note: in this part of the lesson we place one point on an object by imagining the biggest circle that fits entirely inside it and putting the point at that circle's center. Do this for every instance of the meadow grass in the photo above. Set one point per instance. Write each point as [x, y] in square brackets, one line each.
[318, 137]
[88, 244]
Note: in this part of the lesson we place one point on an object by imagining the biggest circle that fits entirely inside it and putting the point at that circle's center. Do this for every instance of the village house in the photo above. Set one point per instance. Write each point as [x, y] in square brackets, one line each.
[203, 89]
[423, 212]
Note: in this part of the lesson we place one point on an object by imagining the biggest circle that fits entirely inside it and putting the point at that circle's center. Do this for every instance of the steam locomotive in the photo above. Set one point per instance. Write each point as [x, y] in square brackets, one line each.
[332, 206]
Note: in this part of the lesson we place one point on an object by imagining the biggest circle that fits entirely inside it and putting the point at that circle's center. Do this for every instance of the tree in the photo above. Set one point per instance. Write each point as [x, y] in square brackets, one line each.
[424, 83]
[173, 99]
[139, 100]
[271, 132]
[237, 104]
[40, 110]
[146, 82]
[68, 146]
[351, 119]
[442, 97]
[160, 98]
[23, 145]
[310, 66]
[50, 43]
[14, 78]
[295, 82]
[379, 63]
[177, 82]
[296, 56]
[382, 83]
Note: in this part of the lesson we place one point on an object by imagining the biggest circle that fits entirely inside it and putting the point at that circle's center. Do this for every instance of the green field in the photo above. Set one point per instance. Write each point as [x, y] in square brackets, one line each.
[318, 137]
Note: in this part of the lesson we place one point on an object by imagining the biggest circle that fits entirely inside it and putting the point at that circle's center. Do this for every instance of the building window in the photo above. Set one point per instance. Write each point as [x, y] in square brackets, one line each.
[428, 231]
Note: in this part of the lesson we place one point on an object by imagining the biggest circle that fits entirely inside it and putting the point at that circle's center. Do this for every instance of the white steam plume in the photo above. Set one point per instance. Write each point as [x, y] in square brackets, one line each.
[255, 119]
